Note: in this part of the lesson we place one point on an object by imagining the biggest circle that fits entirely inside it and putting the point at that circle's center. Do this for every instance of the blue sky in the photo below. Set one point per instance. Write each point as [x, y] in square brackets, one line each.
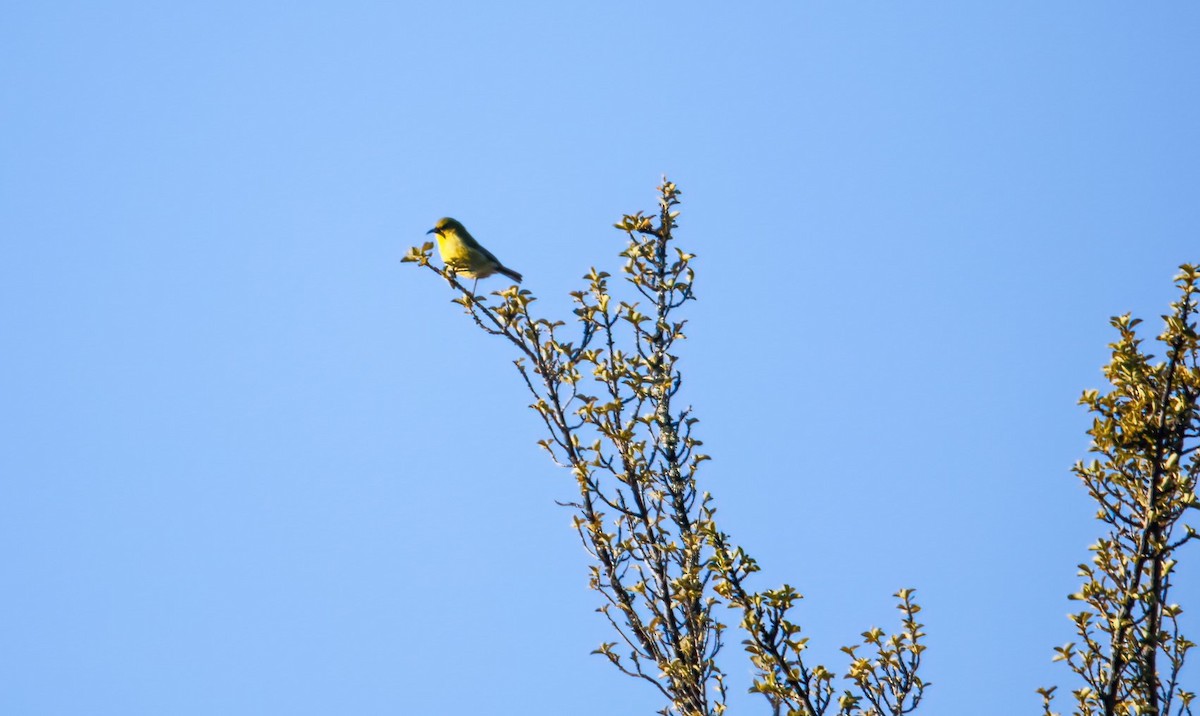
[252, 464]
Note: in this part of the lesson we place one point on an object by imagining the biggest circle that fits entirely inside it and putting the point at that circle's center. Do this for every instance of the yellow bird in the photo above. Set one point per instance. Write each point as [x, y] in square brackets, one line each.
[463, 255]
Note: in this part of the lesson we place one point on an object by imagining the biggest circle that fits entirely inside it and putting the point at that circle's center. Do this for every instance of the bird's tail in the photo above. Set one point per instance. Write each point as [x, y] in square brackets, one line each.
[510, 273]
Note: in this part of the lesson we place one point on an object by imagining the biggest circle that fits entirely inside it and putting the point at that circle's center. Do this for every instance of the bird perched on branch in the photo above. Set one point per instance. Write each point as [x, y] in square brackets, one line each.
[463, 255]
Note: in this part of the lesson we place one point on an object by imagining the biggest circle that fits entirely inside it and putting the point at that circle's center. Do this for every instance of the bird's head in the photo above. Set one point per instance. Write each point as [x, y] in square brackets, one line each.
[446, 226]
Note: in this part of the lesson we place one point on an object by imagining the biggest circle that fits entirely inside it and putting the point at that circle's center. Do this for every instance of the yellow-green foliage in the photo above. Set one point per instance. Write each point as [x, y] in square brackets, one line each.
[1145, 437]
[607, 400]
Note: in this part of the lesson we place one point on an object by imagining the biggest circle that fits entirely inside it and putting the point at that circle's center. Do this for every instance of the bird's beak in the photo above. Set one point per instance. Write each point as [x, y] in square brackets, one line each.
[431, 231]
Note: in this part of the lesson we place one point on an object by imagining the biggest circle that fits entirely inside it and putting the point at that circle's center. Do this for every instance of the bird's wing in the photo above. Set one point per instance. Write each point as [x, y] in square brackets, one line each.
[476, 246]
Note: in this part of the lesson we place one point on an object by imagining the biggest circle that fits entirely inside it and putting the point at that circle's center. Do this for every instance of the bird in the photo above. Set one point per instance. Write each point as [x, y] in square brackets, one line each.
[463, 255]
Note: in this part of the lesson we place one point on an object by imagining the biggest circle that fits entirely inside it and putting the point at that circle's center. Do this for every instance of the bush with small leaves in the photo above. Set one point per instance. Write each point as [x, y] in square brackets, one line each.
[608, 402]
[1146, 437]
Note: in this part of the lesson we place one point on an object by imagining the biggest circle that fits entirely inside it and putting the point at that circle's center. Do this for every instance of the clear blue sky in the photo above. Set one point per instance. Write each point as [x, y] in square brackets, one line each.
[251, 464]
